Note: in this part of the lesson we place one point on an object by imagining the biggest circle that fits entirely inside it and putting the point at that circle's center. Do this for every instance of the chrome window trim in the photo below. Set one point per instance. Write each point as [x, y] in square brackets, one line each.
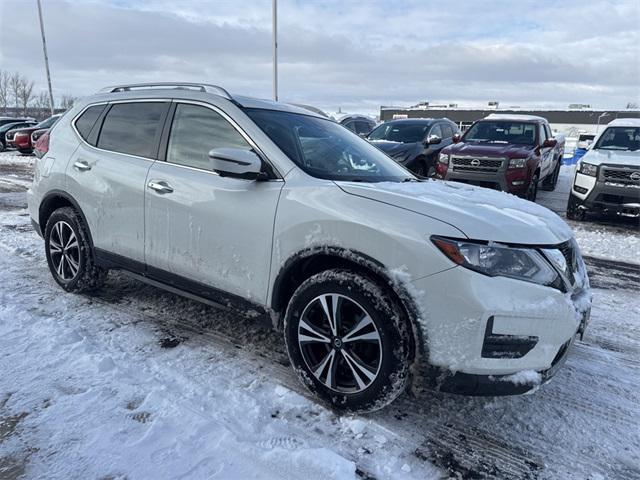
[177, 101]
[137, 100]
[235, 125]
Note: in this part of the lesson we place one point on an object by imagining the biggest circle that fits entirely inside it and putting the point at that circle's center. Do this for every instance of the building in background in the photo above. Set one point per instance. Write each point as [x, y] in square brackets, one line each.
[575, 120]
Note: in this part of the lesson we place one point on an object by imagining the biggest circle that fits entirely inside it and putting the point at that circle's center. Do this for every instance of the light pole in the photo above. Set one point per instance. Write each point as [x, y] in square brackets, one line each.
[46, 57]
[605, 114]
[275, 49]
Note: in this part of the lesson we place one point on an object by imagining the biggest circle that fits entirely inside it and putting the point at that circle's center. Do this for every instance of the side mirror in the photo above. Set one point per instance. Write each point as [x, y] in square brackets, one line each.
[456, 137]
[236, 163]
[433, 140]
[550, 143]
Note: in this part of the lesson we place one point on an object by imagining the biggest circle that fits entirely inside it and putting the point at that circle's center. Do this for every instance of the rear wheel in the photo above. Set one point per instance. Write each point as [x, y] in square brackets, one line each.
[532, 191]
[69, 253]
[551, 181]
[348, 341]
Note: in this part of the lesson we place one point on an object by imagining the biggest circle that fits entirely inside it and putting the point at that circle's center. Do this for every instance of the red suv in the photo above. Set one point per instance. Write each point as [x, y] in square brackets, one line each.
[20, 138]
[512, 153]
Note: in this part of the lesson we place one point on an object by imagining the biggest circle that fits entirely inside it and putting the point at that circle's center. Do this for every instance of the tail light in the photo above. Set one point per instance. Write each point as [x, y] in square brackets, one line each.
[42, 145]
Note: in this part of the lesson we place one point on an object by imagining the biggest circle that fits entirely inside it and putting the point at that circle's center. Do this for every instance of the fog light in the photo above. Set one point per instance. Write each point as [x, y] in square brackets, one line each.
[517, 183]
[580, 189]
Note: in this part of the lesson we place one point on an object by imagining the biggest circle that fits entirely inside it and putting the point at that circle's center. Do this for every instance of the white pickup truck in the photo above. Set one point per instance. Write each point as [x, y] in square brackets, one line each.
[607, 178]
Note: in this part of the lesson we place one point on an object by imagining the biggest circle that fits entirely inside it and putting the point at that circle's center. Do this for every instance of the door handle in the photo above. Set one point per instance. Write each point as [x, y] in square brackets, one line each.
[160, 186]
[82, 166]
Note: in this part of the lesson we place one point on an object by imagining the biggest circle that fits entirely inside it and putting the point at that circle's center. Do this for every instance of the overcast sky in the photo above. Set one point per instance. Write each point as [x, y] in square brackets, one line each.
[340, 53]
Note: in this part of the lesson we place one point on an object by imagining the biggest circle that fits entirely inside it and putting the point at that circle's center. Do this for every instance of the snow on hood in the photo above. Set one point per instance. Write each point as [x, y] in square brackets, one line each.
[397, 149]
[612, 157]
[481, 213]
[489, 149]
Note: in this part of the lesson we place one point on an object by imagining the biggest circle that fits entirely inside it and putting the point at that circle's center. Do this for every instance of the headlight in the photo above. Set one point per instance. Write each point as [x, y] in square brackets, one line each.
[497, 260]
[443, 158]
[518, 163]
[588, 169]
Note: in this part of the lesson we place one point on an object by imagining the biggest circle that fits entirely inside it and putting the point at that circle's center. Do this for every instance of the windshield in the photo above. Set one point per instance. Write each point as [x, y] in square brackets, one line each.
[619, 138]
[9, 126]
[490, 131]
[400, 132]
[48, 123]
[325, 149]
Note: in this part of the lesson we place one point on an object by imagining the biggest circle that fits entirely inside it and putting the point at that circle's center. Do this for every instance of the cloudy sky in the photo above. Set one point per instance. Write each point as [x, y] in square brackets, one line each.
[351, 54]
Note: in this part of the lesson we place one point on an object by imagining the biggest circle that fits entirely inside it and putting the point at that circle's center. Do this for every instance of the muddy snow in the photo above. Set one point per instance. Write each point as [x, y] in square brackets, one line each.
[138, 383]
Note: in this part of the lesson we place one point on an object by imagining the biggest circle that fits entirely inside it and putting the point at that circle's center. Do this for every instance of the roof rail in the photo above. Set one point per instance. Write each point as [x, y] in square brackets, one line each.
[203, 87]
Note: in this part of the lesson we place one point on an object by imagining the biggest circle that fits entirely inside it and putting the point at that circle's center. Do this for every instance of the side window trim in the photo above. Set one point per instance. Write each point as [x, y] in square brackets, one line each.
[166, 132]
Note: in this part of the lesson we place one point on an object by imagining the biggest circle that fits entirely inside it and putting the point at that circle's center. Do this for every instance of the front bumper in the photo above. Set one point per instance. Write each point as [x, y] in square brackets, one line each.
[481, 330]
[606, 196]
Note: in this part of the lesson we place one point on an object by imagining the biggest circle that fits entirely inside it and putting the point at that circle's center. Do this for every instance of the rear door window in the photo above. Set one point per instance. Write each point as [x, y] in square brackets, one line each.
[86, 121]
[133, 128]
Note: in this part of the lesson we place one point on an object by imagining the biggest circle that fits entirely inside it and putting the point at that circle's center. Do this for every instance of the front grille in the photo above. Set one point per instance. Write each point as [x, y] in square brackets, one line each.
[481, 165]
[571, 257]
[621, 176]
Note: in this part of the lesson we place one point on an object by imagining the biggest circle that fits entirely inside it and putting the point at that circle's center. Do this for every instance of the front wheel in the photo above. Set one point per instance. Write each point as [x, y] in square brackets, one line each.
[69, 253]
[574, 212]
[348, 341]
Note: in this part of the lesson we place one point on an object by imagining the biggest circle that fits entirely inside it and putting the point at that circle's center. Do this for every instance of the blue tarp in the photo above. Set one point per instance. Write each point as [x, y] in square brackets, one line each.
[577, 155]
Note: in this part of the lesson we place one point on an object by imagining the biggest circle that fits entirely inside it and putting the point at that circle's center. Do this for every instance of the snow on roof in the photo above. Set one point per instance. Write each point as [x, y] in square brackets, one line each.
[624, 122]
[514, 116]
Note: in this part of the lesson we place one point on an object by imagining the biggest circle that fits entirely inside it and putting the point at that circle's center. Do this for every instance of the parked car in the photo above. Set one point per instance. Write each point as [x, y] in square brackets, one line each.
[10, 126]
[360, 124]
[370, 272]
[512, 153]
[5, 120]
[21, 138]
[414, 143]
[607, 178]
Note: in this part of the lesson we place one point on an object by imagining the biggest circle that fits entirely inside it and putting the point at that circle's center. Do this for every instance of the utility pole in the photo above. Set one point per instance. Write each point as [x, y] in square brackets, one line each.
[46, 57]
[605, 114]
[275, 49]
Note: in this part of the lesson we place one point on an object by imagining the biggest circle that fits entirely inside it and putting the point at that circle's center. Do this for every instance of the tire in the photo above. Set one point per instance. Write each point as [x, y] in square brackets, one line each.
[69, 253]
[419, 168]
[3, 147]
[368, 370]
[551, 181]
[532, 191]
[573, 210]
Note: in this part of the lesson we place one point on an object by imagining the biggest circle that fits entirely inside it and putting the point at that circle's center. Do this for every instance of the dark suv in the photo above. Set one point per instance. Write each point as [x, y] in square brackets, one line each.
[415, 143]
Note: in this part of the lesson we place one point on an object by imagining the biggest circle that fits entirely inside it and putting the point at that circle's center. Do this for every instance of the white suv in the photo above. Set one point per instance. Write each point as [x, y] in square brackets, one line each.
[374, 276]
[607, 177]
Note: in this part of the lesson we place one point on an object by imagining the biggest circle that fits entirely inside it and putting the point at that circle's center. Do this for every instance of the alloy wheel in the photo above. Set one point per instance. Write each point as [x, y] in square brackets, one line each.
[340, 343]
[64, 250]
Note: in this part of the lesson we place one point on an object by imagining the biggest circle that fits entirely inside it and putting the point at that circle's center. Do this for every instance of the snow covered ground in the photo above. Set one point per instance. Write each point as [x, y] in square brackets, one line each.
[138, 383]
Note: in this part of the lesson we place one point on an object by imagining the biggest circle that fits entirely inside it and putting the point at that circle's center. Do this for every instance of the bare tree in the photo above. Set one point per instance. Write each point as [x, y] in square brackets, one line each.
[67, 101]
[41, 101]
[25, 93]
[4, 89]
[15, 85]
[632, 106]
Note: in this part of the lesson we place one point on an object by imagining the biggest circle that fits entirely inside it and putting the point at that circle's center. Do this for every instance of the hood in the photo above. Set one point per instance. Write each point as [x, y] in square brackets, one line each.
[398, 150]
[28, 130]
[480, 213]
[612, 157]
[503, 150]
